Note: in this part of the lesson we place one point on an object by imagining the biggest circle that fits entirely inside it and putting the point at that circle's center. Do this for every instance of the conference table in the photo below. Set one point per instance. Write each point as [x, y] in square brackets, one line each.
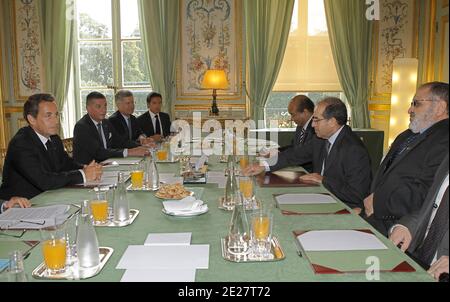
[209, 228]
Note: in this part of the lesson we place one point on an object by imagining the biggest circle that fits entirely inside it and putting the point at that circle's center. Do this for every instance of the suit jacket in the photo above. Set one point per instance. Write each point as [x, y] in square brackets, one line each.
[120, 124]
[146, 124]
[1, 205]
[30, 170]
[401, 189]
[347, 172]
[309, 134]
[417, 222]
[88, 145]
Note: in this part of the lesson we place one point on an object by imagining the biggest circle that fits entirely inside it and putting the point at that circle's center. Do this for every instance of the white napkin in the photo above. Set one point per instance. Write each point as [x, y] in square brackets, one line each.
[187, 205]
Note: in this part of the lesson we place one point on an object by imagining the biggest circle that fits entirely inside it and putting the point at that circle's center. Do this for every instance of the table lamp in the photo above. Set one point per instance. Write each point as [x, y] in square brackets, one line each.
[215, 80]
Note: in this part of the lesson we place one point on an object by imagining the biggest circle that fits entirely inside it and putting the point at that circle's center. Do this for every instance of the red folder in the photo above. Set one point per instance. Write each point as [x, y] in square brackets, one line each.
[283, 179]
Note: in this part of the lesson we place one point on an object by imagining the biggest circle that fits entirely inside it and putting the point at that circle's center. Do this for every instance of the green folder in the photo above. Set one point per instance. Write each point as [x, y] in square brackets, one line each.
[340, 262]
[312, 209]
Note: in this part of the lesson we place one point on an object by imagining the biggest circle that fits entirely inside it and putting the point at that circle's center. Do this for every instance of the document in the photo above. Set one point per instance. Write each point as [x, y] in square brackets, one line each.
[168, 239]
[33, 218]
[138, 257]
[109, 179]
[339, 240]
[304, 199]
[159, 275]
[121, 161]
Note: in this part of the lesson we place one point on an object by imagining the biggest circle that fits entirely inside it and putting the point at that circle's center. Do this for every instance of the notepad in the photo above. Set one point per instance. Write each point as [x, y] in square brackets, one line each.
[168, 239]
[158, 275]
[339, 240]
[33, 218]
[304, 199]
[165, 257]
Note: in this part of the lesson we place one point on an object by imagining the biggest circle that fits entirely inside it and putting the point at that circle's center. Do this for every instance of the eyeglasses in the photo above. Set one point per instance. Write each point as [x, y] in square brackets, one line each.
[316, 120]
[415, 103]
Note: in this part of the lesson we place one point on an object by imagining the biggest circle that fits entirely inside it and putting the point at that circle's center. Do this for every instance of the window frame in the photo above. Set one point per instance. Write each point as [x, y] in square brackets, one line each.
[117, 59]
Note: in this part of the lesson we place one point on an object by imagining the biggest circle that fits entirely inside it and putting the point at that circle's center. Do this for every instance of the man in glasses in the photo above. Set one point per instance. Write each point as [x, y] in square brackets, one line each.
[406, 174]
[340, 160]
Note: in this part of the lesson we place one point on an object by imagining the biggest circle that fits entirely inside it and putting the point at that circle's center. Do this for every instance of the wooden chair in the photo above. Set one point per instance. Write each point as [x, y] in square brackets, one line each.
[68, 146]
[2, 161]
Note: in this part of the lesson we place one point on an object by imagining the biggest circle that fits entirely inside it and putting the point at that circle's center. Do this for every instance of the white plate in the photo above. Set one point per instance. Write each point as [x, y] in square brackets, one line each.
[188, 214]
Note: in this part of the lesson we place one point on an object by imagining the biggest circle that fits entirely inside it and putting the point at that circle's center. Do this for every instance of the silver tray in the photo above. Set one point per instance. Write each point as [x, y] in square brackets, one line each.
[176, 160]
[73, 272]
[110, 223]
[278, 256]
[222, 205]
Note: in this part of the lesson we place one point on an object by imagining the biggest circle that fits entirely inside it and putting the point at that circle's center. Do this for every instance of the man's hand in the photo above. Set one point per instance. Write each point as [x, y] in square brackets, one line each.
[147, 141]
[357, 211]
[254, 169]
[439, 267]
[138, 152]
[156, 138]
[22, 202]
[368, 205]
[93, 171]
[401, 235]
[314, 177]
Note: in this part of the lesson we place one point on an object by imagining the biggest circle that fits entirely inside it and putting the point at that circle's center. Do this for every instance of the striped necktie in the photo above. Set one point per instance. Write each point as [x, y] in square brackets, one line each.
[402, 148]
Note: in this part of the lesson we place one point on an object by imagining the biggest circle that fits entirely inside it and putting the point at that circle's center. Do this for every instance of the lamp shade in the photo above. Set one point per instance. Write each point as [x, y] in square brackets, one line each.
[215, 79]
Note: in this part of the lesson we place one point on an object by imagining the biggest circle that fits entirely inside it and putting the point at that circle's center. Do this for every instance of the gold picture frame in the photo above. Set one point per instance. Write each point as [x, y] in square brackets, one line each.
[235, 71]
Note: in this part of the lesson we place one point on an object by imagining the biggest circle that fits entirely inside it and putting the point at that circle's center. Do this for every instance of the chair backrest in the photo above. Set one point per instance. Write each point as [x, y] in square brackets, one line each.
[68, 146]
[2, 161]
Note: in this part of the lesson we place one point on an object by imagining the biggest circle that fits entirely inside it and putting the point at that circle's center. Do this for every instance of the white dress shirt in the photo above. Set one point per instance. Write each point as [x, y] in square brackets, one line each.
[153, 117]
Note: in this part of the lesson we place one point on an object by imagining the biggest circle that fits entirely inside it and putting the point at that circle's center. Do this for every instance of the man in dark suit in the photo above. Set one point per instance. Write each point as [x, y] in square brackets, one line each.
[154, 123]
[301, 109]
[424, 233]
[21, 202]
[123, 119]
[94, 137]
[407, 172]
[36, 160]
[340, 160]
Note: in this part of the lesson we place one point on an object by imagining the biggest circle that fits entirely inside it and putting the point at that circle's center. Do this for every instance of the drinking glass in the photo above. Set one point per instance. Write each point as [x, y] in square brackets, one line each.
[16, 272]
[99, 206]
[54, 248]
[137, 176]
[261, 234]
[247, 188]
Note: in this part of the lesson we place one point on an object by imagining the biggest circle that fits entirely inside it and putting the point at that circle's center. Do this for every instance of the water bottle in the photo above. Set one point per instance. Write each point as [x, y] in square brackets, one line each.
[231, 184]
[238, 236]
[87, 243]
[151, 173]
[121, 205]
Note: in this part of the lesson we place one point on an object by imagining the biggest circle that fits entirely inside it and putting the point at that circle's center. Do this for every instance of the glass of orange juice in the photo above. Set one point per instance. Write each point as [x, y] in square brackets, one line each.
[99, 207]
[54, 248]
[244, 162]
[247, 188]
[261, 234]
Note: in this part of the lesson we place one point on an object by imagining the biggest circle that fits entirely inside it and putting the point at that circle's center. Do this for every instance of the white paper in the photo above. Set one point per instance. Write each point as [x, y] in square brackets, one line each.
[305, 199]
[121, 161]
[109, 179]
[165, 257]
[33, 218]
[159, 275]
[168, 239]
[340, 240]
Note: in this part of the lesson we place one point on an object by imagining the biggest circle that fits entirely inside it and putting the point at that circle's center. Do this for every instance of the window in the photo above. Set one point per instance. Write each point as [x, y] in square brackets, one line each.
[308, 66]
[109, 55]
